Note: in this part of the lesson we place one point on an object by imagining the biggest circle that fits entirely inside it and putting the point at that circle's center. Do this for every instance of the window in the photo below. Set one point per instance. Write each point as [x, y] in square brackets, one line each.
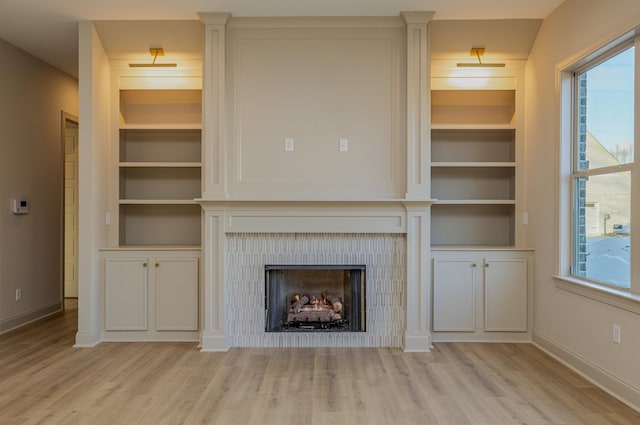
[603, 168]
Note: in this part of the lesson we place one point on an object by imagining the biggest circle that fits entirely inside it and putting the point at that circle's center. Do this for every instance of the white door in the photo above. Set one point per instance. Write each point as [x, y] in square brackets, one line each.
[505, 294]
[454, 294]
[125, 294]
[176, 294]
[71, 213]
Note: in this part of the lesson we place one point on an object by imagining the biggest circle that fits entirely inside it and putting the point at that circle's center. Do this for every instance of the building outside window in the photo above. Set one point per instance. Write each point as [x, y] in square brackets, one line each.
[602, 166]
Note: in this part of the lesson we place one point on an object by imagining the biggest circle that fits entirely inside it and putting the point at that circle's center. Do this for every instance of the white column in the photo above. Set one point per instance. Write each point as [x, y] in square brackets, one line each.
[417, 336]
[93, 150]
[214, 333]
[213, 105]
[418, 105]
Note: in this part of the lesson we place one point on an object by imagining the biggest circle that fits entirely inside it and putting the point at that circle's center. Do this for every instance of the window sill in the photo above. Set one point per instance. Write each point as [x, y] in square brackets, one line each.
[614, 297]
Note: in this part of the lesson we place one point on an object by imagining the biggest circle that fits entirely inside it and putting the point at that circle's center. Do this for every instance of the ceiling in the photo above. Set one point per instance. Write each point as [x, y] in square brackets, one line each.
[48, 29]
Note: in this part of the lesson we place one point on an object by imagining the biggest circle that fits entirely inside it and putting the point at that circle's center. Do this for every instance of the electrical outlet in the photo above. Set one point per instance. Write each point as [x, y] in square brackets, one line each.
[344, 145]
[18, 294]
[617, 334]
[288, 144]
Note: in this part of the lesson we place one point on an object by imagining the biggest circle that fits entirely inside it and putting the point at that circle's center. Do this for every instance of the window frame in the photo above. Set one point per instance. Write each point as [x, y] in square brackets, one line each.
[628, 299]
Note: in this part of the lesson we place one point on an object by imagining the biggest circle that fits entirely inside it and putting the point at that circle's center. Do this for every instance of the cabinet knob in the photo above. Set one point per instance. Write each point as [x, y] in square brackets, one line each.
[144, 264]
[486, 264]
[474, 265]
[157, 264]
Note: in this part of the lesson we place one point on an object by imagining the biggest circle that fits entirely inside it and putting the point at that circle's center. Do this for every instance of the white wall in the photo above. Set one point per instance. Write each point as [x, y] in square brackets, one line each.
[33, 96]
[574, 328]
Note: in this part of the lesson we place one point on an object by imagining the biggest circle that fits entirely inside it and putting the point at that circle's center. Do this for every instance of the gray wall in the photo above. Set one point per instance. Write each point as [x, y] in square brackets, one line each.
[575, 328]
[33, 95]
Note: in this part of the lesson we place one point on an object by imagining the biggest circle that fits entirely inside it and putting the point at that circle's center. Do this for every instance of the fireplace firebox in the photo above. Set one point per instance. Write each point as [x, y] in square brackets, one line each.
[315, 298]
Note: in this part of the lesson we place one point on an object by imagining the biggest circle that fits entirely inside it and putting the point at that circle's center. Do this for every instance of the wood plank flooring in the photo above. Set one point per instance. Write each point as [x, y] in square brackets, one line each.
[44, 380]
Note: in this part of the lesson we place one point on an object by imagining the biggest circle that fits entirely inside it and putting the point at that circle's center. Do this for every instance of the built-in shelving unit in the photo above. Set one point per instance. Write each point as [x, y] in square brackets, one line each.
[159, 166]
[474, 163]
[482, 274]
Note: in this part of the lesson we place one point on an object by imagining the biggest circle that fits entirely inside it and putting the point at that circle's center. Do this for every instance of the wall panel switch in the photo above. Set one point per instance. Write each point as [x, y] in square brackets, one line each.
[288, 144]
[344, 145]
[617, 334]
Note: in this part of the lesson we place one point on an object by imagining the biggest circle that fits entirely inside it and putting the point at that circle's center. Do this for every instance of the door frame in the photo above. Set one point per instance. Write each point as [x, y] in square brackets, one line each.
[65, 117]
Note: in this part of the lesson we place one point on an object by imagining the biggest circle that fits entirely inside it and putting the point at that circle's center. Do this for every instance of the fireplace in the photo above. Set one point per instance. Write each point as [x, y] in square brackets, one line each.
[315, 298]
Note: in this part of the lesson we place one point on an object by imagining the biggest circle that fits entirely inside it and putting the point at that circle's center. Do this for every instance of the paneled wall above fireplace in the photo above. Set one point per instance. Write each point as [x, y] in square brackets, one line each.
[316, 108]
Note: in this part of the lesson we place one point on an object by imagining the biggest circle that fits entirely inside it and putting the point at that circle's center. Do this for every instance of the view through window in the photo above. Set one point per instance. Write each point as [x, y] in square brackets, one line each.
[603, 157]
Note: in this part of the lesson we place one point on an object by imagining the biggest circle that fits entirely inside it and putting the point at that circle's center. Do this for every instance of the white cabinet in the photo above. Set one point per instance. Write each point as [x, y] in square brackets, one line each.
[482, 295]
[151, 295]
[125, 294]
[454, 288]
[176, 281]
[505, 294]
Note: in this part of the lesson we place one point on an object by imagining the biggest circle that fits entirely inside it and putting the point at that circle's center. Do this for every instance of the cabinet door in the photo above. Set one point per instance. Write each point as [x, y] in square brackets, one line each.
[454, 294]
[125, 294]
[176, 294]
[505, 295]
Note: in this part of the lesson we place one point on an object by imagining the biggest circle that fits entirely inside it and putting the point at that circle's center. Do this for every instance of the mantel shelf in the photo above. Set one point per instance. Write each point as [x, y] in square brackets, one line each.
[315, 201]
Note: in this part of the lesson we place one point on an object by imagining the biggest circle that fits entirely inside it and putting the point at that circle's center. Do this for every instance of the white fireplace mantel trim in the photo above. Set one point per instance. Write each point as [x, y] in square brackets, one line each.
[390, 216]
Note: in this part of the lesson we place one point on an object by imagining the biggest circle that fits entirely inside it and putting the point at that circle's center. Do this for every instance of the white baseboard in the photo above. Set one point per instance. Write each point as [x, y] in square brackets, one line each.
[417, 343]
[86, 340]
[23, 319]
[613, 385]
[214, 343]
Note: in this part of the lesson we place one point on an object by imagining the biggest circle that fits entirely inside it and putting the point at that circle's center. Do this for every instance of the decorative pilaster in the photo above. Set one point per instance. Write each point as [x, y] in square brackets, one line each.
[418, 105]
[214, 334]
[213, 106]
[417, 336]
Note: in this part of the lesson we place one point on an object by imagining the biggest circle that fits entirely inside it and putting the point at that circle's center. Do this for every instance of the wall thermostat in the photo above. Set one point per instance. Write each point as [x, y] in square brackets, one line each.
[20, 206]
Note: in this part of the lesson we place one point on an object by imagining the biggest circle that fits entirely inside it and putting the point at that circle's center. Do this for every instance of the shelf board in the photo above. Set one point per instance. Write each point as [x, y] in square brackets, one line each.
[473, 127]
[161, 127]
[475, 202]
[157, 202]
[138, 164]
[470, 164]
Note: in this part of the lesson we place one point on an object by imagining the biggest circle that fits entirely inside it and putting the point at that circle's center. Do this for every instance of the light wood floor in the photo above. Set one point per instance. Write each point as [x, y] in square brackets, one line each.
[43, 380]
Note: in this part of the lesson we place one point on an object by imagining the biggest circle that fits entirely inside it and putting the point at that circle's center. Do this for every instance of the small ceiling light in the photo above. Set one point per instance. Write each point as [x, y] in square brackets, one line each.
[155, 52]
[477, 52]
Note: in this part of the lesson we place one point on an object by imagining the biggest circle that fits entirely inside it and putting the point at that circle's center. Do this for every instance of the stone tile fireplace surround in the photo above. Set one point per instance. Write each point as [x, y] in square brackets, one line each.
[389, 237]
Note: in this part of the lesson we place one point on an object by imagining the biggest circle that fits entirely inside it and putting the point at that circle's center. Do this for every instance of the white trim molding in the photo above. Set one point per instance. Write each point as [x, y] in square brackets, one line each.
[621, 390]
[418, 104]
[615, 297]
[23, 319]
